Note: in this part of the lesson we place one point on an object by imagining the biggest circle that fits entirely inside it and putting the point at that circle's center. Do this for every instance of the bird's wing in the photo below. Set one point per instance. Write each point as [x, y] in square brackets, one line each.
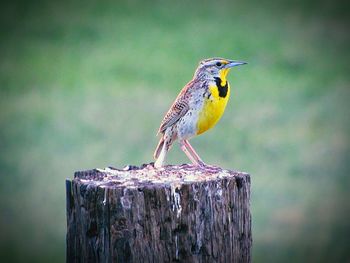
[177, 110]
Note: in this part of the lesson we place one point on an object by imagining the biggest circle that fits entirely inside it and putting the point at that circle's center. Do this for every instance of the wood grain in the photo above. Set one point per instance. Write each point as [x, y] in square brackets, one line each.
[142, 214]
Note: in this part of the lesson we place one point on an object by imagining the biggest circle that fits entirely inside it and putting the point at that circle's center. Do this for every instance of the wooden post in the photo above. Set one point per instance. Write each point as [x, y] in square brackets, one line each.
[142, 214]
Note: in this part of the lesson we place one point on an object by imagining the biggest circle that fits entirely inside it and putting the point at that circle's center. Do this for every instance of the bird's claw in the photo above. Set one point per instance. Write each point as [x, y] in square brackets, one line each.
[208, 167]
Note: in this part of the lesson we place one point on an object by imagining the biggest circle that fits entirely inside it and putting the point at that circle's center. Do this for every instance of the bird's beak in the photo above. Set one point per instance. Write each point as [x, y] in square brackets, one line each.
[233, 63]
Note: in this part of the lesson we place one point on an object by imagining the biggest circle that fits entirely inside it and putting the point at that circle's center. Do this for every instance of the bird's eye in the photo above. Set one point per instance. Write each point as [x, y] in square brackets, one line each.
[218, 64]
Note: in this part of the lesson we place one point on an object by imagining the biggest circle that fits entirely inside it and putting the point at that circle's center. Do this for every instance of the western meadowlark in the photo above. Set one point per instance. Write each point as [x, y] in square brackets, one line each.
[197, 108]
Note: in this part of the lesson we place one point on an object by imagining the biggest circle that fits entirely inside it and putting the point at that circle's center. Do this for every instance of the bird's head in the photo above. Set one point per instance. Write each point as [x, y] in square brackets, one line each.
[212, 68]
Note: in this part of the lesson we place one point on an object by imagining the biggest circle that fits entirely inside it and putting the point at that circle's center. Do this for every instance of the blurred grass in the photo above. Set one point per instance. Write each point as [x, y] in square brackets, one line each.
[85, 85]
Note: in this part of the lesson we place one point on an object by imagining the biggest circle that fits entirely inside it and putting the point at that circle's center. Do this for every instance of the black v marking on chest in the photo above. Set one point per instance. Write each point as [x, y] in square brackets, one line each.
[222, 89]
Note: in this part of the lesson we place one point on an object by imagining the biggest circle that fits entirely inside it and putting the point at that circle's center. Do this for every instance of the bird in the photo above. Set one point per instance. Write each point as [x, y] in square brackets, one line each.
[197, 108]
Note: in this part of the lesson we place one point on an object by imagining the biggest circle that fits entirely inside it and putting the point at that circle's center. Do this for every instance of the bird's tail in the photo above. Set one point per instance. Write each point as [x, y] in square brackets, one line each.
[160, 153]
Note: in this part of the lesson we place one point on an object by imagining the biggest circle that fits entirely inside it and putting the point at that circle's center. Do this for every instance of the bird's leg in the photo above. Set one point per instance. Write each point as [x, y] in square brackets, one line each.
[193, 153]
[189, 155]
[198, 160]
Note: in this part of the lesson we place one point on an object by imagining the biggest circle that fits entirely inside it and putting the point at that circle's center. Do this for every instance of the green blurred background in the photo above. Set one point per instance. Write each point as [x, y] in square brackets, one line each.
[85, 84]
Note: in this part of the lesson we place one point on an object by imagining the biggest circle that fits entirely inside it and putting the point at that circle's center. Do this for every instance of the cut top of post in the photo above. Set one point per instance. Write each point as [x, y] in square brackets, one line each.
[146, 175]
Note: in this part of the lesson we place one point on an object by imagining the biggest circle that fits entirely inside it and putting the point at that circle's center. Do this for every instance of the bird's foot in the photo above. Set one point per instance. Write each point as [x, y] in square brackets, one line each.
[208, 167]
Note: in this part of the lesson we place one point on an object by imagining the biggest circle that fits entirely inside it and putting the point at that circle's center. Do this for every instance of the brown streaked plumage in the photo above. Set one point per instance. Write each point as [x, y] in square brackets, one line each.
[177, 109]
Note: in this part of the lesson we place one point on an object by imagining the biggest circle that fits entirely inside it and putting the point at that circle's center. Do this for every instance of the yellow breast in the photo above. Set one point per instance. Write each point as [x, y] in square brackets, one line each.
[213, 109]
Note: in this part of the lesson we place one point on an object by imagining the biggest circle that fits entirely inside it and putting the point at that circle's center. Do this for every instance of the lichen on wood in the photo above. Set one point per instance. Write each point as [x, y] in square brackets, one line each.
[175, 214]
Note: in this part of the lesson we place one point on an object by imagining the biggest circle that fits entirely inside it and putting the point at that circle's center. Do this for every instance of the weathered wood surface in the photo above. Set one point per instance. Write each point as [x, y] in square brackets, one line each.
[177, 214]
